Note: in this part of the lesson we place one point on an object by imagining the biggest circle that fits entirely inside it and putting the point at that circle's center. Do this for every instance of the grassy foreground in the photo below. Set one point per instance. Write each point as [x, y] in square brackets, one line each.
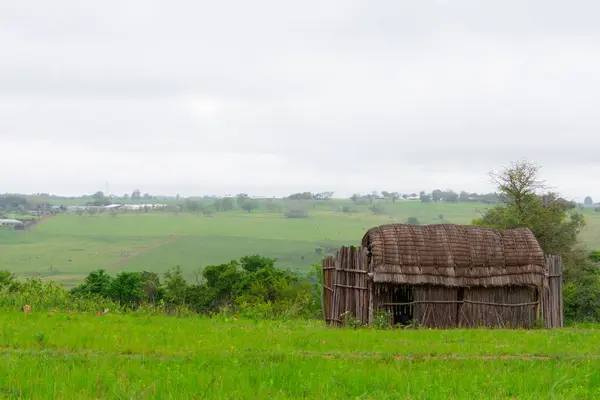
[47, 355]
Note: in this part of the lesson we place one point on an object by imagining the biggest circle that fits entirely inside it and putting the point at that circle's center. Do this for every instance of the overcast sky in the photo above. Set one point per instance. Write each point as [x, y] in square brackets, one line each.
[271, 97]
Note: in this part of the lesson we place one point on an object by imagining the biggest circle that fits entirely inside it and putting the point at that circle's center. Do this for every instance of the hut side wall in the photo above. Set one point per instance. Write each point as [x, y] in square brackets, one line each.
[447, 307]
[505, 307]
[435, 306]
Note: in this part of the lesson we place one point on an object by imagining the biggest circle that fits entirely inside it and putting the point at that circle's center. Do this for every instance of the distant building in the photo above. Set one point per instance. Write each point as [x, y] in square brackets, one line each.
[76, 208]
[10, 222]
[138, 207]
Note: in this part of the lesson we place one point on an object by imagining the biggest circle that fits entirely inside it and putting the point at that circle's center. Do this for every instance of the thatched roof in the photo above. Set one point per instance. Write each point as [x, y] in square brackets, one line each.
[454, 255]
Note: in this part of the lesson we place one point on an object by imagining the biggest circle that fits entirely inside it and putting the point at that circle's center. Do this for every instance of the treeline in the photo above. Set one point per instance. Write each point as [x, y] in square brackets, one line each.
[437, 195]
[290, 209]
[251, 286]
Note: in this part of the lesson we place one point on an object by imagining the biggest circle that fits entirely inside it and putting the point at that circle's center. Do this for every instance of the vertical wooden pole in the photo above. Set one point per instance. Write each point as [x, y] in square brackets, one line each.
[552, 308]
[323, 290]
[545, 296]
[370, 286]
[336, 295]
[538, 308]
[365, 282]
[559, 271]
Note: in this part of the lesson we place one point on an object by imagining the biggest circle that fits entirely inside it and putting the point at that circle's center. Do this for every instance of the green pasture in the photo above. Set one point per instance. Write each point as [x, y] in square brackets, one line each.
[591, 234]
[67, 247]
[48, 355]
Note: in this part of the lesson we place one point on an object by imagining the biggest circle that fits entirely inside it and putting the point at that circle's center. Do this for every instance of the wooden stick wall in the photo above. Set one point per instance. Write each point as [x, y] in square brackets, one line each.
[348, 293]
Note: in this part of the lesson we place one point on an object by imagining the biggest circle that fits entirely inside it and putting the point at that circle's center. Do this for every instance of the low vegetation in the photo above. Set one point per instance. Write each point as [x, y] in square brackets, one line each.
[250, 287]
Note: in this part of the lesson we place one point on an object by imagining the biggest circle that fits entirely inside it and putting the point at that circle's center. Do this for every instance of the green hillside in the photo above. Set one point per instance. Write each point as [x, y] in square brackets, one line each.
[67, 247]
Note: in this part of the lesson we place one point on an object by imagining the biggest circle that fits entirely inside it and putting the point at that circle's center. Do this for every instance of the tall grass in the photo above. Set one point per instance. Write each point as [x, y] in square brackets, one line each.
[84, 356]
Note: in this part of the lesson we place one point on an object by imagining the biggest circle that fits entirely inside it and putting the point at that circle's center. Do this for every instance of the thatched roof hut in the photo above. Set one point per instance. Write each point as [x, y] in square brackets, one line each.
[444, 276]
[454, 255]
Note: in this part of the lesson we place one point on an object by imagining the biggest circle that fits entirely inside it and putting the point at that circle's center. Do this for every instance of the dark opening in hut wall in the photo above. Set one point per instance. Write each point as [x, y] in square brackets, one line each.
[403, 313]
[397, 300]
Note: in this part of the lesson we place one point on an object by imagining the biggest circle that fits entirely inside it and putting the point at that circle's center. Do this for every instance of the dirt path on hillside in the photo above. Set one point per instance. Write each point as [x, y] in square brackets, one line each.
[37, 223]
[42, 220]
[140, 251]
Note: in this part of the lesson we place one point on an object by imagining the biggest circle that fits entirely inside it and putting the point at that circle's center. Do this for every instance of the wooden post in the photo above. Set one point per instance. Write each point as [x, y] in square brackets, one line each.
[552, 307]
[370, 287]
[538, 308]
[560, 291]
[323, 294]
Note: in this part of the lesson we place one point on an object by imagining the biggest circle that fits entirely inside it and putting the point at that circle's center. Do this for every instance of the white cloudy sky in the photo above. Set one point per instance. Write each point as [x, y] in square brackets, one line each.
[270, 97]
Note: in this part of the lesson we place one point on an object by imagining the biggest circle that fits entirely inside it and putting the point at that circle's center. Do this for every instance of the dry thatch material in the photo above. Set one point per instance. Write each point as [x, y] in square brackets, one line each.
[454, 255]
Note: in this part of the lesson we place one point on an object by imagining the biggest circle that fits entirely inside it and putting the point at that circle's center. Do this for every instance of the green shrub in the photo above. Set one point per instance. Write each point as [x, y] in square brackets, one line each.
[8, 282]
[413, 221]
[581, 289]
[97, 283]
[296, 213]
[349, 320]
[378, 209]
[581, 300]
[382, 319]
[126, 289]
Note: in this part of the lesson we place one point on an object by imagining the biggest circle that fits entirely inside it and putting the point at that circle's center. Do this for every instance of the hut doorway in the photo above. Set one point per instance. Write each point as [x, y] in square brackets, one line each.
[402, 313]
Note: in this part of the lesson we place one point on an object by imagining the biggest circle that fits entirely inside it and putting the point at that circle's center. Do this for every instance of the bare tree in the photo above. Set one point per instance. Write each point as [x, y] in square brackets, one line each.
[517, 182]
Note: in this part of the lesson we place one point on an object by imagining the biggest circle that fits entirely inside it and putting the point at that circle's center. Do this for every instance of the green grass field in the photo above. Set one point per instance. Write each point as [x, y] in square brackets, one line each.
[44, 355]
[67, 247]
